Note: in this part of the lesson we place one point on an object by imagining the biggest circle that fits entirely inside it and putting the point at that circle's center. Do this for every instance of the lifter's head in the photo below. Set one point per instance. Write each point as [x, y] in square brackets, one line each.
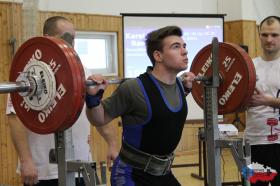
[154, 39]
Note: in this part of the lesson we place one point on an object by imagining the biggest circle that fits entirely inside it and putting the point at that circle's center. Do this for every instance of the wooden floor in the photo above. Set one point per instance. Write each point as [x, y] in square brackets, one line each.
[228, 169]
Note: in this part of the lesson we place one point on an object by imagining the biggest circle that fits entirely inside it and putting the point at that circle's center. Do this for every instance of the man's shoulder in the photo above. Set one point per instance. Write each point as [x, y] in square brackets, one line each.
[130, 84]
[129, 89]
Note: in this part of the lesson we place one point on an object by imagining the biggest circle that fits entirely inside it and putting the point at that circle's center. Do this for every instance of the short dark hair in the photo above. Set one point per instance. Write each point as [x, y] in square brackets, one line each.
[50, 25]
[154, 39]
[269, 20]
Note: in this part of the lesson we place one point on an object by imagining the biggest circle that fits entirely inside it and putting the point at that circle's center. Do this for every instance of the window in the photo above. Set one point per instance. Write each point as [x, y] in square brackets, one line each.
[98, 52]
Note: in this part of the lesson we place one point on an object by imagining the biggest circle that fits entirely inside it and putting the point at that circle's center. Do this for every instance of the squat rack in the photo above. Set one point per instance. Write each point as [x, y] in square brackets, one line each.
[211, 132]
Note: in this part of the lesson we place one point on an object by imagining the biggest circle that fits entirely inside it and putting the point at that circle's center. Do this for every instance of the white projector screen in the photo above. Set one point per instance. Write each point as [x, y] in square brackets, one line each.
[198, 31]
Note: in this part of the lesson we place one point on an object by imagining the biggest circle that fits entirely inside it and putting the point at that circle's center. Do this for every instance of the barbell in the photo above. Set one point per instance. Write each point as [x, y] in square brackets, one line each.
[47, 82]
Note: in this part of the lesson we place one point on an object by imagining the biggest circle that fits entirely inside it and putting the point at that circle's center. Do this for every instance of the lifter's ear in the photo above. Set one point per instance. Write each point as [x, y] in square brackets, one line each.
[157, 56]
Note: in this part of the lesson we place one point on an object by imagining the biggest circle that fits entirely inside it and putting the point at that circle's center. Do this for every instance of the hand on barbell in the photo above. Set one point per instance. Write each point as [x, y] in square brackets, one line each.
[101, 82]
[187, 79]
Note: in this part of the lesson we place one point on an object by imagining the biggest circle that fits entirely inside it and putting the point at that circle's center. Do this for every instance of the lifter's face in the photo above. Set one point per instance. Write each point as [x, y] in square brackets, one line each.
[65, 27]
[174, 54]
[270, 38]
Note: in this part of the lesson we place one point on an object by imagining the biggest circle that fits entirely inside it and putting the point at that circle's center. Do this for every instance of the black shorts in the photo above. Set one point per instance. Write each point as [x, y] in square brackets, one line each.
[123, 174]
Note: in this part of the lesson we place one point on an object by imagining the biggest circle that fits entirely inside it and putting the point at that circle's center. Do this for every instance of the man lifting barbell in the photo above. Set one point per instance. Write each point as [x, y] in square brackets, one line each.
[153, 109]
[47, 86]
[33, 149]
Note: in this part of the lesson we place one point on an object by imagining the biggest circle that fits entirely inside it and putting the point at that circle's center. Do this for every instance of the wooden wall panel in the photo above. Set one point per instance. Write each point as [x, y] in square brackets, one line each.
[257, 42]
[233, 32]
[249, 37]
[245, 33]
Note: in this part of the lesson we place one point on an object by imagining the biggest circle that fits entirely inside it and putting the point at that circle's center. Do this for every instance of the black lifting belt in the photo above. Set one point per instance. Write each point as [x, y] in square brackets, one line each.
[152, 164]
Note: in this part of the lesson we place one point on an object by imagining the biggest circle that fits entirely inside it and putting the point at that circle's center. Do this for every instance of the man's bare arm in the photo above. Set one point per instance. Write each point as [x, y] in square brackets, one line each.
[108, 133]
[28, 169]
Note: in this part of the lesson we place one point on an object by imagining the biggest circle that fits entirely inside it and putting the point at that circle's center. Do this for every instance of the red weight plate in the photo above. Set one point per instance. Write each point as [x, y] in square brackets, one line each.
[79, 83]
[237, 72]
[77, 67]
[70, 80]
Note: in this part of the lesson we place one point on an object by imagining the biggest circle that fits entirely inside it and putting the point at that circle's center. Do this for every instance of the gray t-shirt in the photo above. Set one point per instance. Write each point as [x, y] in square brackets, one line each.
[129, 101]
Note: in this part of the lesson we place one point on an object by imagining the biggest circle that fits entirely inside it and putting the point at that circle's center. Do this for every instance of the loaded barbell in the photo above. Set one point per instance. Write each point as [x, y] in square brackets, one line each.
[47, 82]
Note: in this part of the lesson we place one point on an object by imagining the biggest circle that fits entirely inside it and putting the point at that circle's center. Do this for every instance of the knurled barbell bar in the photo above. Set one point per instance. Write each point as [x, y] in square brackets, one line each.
[49, 78]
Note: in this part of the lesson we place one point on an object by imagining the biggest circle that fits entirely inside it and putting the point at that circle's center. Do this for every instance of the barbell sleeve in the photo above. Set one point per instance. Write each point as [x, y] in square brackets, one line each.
[9, 87]
[22, 86]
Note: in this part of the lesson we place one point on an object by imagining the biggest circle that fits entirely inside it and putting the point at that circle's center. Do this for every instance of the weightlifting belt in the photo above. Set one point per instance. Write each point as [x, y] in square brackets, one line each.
[152, 164]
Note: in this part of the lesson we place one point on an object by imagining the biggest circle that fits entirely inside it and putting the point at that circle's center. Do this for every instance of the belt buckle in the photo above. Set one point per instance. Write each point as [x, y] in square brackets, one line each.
[168, 160]
[169, 164]
[148, 163]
